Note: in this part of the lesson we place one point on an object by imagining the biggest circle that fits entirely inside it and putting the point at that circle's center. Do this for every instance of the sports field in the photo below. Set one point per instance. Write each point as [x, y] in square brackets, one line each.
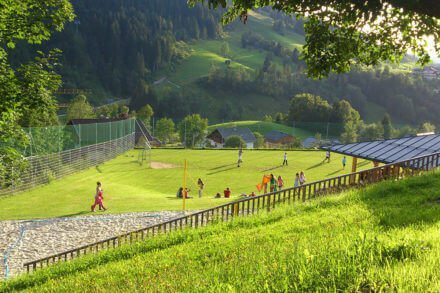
[130, 187]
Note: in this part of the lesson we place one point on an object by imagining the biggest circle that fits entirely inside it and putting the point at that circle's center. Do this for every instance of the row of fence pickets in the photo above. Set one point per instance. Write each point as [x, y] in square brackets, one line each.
[250, 205]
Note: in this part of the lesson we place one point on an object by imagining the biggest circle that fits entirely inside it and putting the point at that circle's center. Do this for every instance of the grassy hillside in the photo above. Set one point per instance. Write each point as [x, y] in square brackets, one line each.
[206, 52]
[384, 238]
[129, 187]
[264, 127]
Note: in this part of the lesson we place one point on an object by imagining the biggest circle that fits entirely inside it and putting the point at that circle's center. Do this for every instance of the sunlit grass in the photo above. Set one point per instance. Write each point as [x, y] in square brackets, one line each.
[384, 238]
[130, 187]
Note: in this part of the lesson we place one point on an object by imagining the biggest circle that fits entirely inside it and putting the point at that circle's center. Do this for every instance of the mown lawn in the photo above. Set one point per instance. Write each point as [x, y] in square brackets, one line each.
[264, 127]
[384, 238]
[129, 187]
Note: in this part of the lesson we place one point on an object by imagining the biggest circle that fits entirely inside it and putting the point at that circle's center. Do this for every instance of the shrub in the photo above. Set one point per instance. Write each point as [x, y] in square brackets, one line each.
[234, 141]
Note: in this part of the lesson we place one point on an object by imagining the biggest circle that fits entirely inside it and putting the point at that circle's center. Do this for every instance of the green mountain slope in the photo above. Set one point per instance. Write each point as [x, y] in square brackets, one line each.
[384, 238]
[204, 53]
[264, 127]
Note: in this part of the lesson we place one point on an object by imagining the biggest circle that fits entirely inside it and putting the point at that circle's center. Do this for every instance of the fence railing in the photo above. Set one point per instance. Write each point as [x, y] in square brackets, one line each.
[251, 205]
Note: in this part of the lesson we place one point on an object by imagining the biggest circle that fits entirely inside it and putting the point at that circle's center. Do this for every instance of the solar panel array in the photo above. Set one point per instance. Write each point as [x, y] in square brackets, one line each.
[390, 150]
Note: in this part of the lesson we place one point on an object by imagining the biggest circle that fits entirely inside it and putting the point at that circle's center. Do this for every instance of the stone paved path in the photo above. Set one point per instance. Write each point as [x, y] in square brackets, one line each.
[24, 241]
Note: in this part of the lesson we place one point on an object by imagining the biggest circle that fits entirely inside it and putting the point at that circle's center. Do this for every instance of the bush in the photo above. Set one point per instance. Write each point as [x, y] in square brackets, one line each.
[234, 141]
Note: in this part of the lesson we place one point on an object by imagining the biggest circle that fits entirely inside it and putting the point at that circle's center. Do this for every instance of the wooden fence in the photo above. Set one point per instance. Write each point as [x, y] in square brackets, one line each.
[250, 205]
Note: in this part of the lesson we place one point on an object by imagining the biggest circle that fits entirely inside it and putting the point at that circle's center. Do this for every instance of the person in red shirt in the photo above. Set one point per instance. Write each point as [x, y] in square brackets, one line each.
[227, 192]
[98, 197]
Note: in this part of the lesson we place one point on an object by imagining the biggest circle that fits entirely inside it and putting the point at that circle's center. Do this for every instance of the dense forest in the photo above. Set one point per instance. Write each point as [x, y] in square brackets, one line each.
[116, 47]
[113, 46]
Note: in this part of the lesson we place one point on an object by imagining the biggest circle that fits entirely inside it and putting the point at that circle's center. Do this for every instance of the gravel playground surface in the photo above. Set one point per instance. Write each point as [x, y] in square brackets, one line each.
[24, 241]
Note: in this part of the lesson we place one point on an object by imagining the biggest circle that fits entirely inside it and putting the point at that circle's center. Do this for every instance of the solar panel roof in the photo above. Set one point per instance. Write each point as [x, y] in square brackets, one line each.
[390, 150]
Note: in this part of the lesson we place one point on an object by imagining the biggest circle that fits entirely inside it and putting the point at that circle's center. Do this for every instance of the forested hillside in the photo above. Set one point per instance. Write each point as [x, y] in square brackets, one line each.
[181, 60]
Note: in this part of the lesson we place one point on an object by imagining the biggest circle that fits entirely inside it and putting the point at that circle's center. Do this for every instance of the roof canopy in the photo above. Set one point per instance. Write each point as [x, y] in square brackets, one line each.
[390, 150]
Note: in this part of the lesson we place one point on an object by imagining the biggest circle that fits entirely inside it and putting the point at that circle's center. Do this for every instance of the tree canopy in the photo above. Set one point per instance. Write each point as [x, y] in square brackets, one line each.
[340, 33]
[26, 92]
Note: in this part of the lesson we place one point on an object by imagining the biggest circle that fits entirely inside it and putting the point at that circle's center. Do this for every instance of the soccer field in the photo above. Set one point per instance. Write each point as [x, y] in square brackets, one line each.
[130, 187]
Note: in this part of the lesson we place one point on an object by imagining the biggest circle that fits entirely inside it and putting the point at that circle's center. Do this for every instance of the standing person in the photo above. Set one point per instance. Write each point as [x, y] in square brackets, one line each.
[240, 153]
[285, 159]
[344, 162]
[327, 156]
[280, 183]
[272, 183]
[98, 197]
[201, 185]
[296, 184]
[302, 178]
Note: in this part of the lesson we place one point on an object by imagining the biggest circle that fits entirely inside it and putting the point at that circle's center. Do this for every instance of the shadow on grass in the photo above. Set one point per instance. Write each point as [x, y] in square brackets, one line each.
[334, 173]
[364, 163]
[224, 166]
[75, 214]
[273, 168]
[315, 166]
[404, 203]
[219, 171]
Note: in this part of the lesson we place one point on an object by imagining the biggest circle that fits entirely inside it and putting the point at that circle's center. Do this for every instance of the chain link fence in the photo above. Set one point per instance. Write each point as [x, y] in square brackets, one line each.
[55, 152]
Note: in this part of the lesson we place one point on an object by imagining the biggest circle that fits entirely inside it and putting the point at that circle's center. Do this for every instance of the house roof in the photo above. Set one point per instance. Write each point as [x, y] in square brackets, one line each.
[309, 142]
[390, 150]
[276, 135]
[244, 132]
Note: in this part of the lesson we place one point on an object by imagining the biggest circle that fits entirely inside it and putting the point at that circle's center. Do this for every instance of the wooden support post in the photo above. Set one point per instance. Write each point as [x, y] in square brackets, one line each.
[353, 170]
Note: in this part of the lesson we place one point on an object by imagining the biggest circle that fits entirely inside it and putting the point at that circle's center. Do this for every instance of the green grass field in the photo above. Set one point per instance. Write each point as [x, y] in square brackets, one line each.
[264, 127]
[385, 238]
[129, 187]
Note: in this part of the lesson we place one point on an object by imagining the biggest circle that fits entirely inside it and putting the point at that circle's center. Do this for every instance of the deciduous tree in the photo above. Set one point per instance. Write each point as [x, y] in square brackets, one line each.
[80, 108]
[340, 33]
[192, 129]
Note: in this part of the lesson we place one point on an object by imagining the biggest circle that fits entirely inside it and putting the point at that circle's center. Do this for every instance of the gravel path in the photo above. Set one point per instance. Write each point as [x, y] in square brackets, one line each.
[24, 241]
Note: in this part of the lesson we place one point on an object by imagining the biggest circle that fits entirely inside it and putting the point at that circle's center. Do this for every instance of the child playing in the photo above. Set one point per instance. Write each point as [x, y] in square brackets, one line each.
[280, 183]
[98, 198]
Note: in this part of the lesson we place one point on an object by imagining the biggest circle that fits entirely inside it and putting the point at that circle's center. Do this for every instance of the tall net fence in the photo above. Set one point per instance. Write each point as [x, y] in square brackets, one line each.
[58, 151]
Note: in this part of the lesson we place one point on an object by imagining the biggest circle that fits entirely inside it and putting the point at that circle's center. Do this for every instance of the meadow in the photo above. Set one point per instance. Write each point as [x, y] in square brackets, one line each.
[130, 187]
[382, 238]
[263, 127]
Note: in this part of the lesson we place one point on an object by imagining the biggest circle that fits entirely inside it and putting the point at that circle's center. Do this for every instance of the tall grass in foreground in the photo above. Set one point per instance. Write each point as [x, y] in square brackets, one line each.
[386, 237]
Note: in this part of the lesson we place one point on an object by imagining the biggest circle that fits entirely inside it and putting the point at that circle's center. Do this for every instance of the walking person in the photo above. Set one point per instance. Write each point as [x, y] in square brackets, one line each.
[302, 178]
[240, 160]
[285, 159]
[98, 197]
[344, 162]
[280, 182]
[296, 183]
[272, 183]
[201, 185]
